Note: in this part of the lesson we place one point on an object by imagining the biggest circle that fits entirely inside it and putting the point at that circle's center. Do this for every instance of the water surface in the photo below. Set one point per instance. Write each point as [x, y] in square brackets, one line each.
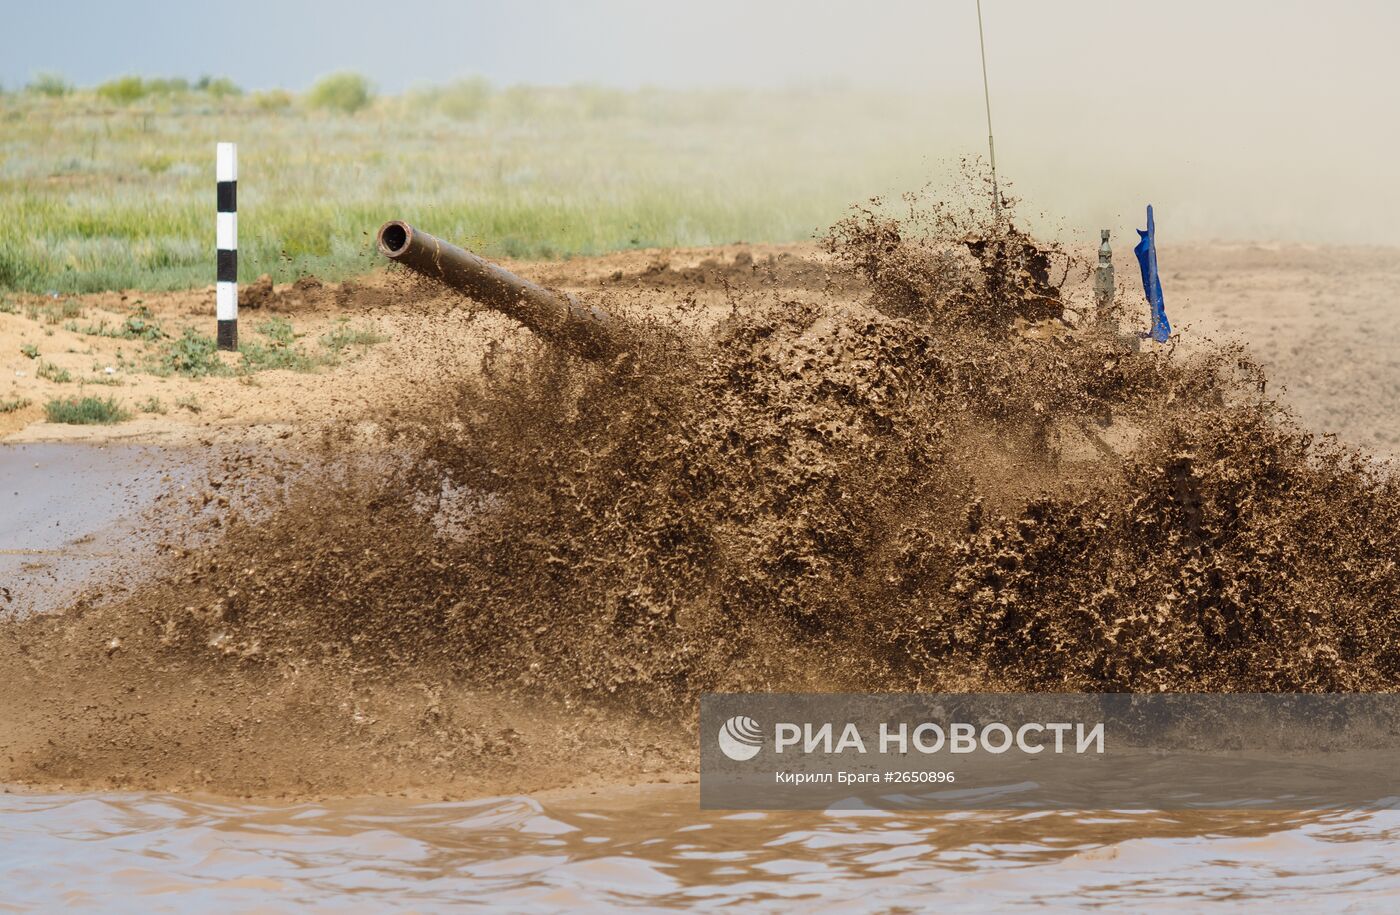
[655, 849]
[72, 515]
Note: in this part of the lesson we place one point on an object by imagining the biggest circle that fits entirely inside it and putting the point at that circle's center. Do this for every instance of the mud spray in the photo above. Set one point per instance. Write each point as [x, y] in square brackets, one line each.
[944, 481]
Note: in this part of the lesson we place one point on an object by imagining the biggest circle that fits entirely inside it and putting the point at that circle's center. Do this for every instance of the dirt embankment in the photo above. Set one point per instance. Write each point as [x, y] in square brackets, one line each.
[889, 480]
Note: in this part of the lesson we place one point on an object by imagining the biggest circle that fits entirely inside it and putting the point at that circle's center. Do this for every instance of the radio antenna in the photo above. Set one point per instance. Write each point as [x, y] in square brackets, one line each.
[987, 97]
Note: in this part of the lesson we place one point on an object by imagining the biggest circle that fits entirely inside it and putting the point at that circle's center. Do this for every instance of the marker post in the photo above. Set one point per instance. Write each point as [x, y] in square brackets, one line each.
[226, 242]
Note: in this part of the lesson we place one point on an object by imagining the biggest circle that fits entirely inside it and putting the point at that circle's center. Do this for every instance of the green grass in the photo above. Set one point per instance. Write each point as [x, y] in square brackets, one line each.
[192, 354]
[112, 190]
[50, 84]
[258, 357]
[343, 92]
[153, 405]
[50, 372]
[139, 325]
[344, 336]
[55, 312]
[85, 411]
[14, 404]
[279, 348]
[196, 355]
[30, 351]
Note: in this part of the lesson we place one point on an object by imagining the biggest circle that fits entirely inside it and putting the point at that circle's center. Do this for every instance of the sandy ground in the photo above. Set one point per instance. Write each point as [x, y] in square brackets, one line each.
[417, 323]
[193, 408]
[1321, 319]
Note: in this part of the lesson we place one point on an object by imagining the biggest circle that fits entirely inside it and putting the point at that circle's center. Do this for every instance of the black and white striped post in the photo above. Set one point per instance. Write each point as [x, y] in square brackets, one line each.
[226, 233]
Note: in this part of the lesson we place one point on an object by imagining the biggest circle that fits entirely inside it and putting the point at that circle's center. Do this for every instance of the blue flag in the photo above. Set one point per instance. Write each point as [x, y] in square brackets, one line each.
[1146, 252]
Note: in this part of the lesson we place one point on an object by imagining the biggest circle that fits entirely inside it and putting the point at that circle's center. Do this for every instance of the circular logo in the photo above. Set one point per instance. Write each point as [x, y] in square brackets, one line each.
[740, 738]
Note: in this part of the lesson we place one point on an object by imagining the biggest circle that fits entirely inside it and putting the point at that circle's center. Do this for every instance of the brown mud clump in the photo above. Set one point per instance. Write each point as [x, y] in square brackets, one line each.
[945, 481]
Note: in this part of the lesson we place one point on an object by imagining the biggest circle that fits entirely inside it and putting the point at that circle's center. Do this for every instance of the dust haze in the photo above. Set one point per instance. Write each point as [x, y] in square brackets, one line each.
[1243, 121]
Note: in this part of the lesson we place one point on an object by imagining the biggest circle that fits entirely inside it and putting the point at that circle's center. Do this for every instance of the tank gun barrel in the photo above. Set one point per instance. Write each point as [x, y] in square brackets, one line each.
[557, 317]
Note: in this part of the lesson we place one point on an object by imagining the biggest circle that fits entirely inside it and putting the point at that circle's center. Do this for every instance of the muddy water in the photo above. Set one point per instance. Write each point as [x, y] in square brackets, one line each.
[654, 848]
[71, 515]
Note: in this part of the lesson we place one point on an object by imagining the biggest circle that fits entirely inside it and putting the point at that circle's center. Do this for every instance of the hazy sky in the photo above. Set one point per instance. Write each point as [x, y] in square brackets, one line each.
[1241, 51]
[1253, 118]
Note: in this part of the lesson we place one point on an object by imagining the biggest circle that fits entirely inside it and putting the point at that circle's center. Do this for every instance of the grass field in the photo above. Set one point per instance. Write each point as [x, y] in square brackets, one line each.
[113, 188]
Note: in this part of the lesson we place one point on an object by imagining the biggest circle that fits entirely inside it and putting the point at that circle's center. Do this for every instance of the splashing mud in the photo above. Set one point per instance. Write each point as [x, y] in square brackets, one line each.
[949, 480]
